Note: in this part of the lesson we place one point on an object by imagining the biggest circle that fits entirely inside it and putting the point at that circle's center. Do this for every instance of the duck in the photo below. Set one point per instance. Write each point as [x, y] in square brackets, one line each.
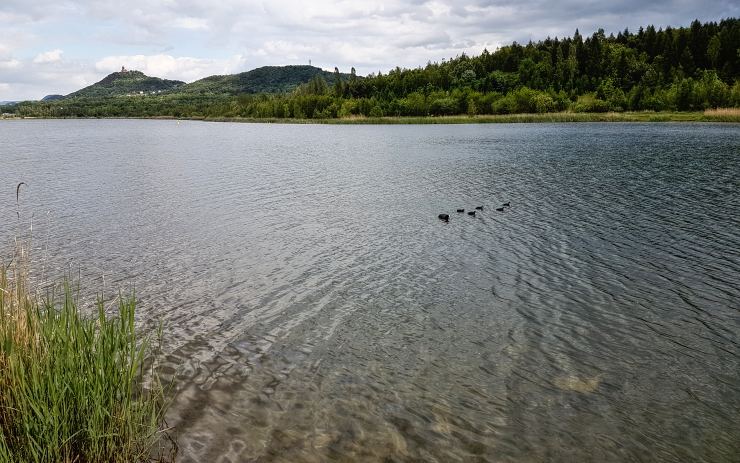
[479, 208]
[506, 204]
[461, 210]
[500, 209]
[444, 217]
[471, 213]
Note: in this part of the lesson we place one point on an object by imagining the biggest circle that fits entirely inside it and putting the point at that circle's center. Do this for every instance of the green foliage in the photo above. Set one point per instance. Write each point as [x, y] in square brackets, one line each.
[527, 100]
[589, 103]
[126, 83]
[613, 96]
[685, 69]
[267, 79]
[376, 111]
[316, 86]
[414, 104]
[735, 94]
[72, 386]
[711, 91]
[444, 106]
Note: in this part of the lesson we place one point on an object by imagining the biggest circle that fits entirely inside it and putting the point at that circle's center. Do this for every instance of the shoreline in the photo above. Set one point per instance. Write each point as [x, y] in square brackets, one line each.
[560, 117]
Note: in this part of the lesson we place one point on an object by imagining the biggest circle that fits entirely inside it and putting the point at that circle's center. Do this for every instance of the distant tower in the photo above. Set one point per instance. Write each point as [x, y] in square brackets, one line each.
[123, 69]
[309, 62]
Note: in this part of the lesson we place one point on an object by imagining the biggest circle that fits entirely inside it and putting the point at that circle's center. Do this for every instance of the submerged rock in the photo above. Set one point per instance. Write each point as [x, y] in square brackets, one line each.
[575, 384]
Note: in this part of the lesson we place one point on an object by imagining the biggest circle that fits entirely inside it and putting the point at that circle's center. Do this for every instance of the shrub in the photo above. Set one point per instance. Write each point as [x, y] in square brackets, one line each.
[376, 111]
[444, 106]
[72, 386]
[590, 104]
[542, 103]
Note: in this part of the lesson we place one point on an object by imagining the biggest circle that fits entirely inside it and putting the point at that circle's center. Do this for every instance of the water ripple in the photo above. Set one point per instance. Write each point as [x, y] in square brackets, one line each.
[315, 309]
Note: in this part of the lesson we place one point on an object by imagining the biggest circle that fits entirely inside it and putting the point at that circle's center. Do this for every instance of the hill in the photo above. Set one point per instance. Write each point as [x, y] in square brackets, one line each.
[267, 79]
[127, 83]
[693, 68]
[52, 97]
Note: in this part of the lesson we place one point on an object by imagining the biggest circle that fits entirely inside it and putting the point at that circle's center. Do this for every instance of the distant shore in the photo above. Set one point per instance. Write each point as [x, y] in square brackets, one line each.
[731, 115]
[697, 116]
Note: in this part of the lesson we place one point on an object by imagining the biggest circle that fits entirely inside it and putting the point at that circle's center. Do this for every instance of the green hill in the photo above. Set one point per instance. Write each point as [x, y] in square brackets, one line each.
[127, 83]
[693, 68]
[267, 79]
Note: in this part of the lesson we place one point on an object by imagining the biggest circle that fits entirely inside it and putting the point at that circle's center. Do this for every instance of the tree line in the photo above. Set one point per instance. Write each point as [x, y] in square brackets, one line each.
[674, 69]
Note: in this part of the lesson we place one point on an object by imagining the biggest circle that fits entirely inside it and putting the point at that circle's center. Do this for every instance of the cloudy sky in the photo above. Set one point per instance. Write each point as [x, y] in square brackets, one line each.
[58, 46]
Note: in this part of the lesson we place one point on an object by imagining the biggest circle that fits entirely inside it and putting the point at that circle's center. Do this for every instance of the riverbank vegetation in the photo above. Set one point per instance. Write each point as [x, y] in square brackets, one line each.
[71, 386]
[710, 115]
[674, 69]
[723, 114]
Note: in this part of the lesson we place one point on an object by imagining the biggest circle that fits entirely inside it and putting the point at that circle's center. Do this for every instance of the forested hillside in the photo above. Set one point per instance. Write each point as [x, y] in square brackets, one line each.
[672, 69]
[125, 83]
[266, 79]
[690, 68]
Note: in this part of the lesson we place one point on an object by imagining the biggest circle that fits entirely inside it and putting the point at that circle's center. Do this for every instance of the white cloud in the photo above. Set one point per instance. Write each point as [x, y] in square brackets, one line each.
[4, 50]
[30, 79]
[170, 67]
[202, 37]
[190, 23]
[288, 50]
[10, 64]
[51, 56]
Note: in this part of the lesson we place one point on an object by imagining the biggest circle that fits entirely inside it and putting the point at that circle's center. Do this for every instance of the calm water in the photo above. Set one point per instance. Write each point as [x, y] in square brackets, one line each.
[315, 308]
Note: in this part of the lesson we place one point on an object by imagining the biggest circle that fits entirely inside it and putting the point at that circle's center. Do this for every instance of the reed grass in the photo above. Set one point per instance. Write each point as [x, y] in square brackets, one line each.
[72, 386]
[723, 114]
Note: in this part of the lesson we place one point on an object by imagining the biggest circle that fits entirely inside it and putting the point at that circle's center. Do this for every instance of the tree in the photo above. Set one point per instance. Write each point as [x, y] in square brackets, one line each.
[677, 68]
[338, 86]
[713, 50]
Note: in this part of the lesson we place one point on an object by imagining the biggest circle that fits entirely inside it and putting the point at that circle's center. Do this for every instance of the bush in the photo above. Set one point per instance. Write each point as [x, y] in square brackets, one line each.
[72, 386]
[658, 101]
[560, 99]
[348, 108]
[376, 111]
[413, 105]
[711, 92]
[613, 96]
[485, 103]
[527, 100]
[681, 95]
[542, 103]
[504, 105]
[590, 104]
[444, 106]
[735, 94]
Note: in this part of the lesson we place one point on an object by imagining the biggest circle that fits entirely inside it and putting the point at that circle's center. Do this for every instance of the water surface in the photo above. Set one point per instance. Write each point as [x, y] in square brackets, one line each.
[315, 308]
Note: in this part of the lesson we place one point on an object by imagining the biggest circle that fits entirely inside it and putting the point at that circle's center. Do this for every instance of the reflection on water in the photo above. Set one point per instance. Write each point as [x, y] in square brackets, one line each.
[317, 310]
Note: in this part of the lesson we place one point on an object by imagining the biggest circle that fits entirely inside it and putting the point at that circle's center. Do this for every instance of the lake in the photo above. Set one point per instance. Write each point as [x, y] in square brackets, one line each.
[314, 307]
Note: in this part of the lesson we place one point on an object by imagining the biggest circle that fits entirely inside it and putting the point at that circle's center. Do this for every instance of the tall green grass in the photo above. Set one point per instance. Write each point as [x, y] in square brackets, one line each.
[72, 386]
